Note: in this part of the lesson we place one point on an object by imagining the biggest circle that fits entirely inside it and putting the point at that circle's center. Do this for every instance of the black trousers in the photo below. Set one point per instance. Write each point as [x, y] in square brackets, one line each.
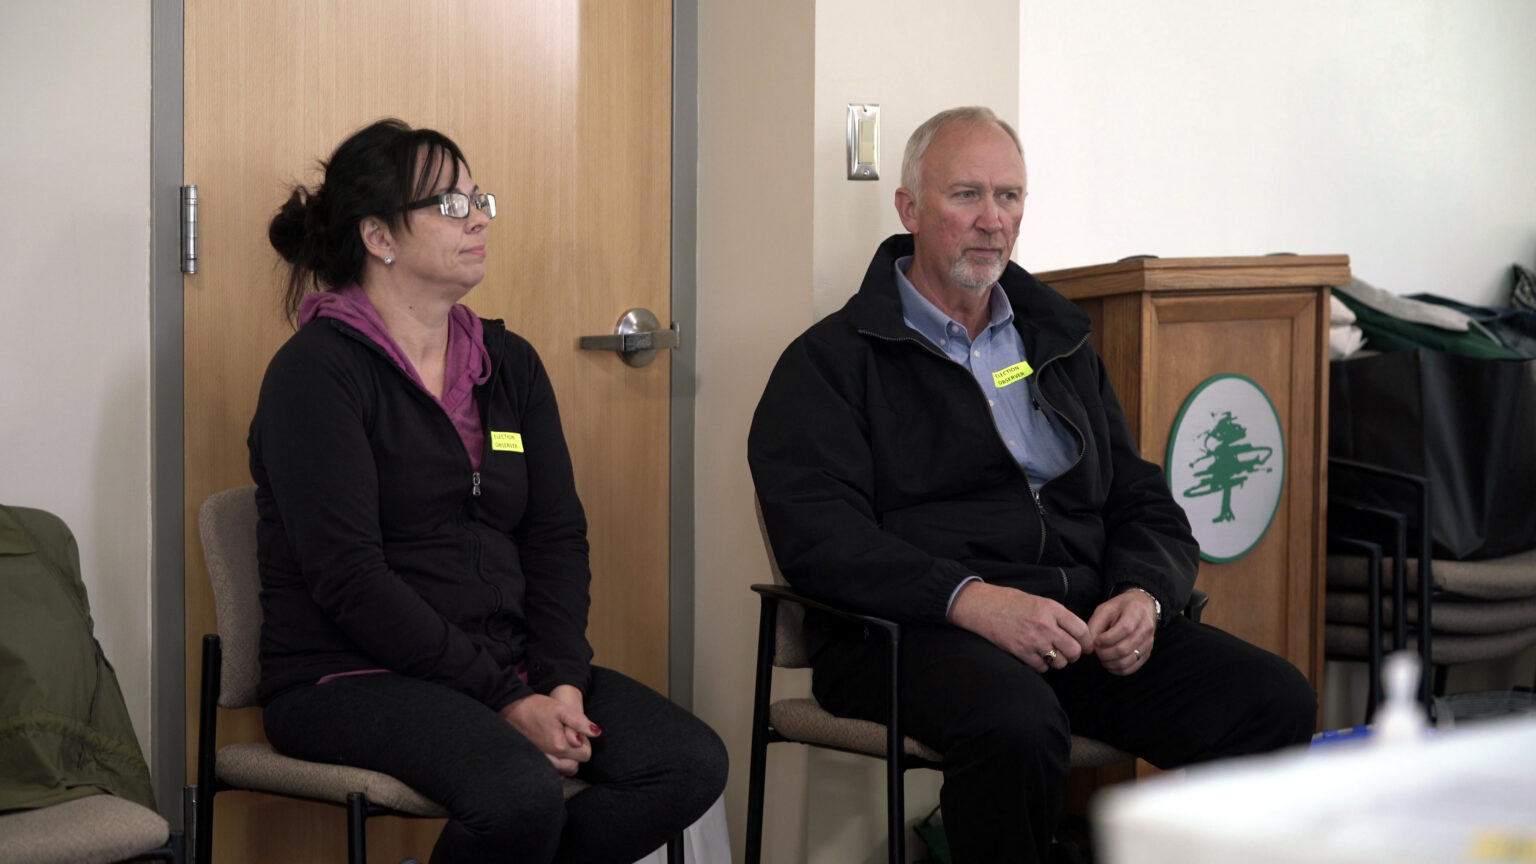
[1004, 729]
[654, 770]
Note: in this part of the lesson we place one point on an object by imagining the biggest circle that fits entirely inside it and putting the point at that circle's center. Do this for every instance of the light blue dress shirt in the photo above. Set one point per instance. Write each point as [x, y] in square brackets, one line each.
[1042, 447]
[1040, 444]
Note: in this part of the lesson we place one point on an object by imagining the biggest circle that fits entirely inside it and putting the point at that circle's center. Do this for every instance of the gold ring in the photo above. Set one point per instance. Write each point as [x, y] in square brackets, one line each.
[1050, 655]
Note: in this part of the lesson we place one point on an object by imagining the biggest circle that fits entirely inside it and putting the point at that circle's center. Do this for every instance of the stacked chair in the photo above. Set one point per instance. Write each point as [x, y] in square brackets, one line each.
[1380, 569]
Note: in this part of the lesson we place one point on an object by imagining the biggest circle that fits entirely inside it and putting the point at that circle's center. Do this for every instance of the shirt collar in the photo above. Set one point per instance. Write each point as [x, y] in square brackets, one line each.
[930, 321]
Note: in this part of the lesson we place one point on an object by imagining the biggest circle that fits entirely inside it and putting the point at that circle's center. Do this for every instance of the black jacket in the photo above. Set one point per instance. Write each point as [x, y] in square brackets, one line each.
[381, 547]
[884, 482]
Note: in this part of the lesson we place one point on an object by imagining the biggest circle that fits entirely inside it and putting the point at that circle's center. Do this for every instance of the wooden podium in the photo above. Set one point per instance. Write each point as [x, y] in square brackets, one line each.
[1166, 325]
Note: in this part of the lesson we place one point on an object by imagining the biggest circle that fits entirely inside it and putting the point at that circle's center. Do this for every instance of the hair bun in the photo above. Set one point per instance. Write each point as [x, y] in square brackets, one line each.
[290, 230]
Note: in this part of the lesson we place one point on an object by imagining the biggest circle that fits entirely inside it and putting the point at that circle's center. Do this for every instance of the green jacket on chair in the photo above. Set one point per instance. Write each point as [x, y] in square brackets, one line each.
[65, 732]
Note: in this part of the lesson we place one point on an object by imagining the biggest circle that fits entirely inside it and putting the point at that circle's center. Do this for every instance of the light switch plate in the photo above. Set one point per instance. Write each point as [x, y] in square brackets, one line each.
[863, 141]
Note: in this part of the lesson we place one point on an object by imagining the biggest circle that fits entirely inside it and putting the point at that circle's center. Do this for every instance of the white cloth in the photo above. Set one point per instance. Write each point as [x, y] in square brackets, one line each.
[1344, 338]
[707, 841]
[1402, 308]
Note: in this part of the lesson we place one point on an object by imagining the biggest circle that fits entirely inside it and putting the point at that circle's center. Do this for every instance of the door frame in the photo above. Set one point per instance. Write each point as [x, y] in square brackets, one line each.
[685, 165]
[167, 369]
[167, 488]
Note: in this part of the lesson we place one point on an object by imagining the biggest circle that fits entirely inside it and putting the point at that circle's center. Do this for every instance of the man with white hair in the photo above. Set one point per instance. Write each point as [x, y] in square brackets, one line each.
[946, 451]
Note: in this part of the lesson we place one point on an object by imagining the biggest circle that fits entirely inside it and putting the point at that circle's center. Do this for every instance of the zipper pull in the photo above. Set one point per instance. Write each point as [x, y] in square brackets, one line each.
[1045, 525]
[474, 480]
[1036, 403]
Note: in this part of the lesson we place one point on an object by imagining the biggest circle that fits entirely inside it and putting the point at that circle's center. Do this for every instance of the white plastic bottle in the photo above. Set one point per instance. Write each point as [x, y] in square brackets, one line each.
[1401, 719]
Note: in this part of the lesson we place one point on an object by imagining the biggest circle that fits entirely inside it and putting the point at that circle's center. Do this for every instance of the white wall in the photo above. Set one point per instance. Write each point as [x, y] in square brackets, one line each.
[1399, 132]
[74, 300]
[754, 276]
[915, 58]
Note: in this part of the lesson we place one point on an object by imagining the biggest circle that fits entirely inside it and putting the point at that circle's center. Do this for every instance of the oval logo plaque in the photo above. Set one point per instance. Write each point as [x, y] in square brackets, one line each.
[1226, 464]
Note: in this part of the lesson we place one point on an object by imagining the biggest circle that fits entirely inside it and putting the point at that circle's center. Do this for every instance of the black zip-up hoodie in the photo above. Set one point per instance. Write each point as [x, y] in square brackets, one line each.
[884, 482]
[379, 544]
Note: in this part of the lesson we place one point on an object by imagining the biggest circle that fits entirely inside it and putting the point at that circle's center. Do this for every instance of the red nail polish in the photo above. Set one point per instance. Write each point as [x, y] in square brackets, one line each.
[595, 730]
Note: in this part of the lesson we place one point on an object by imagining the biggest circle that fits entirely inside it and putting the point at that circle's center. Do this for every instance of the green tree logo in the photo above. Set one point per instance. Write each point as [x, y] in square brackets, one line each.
[1228, 460]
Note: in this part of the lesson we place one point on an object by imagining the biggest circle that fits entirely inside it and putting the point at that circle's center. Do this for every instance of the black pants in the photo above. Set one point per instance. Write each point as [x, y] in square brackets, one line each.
[1005, 729]
[654, 770]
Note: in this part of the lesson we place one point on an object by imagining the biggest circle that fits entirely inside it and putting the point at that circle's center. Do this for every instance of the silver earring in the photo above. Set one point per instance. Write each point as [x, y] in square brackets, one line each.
[388, 260]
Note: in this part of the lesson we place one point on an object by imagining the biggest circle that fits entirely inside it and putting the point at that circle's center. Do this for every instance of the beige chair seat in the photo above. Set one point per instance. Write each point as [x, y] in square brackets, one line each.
[1450, 614]
[261, 768]
[1510, 577]
[805, 721]
[1446, 649]
[95, 830]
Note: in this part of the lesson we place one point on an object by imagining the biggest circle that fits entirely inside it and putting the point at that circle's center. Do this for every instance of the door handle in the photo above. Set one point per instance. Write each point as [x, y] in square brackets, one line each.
[637, 337]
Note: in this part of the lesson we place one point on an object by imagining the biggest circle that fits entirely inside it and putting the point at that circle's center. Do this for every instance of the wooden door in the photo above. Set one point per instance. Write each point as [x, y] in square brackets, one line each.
[563, 110]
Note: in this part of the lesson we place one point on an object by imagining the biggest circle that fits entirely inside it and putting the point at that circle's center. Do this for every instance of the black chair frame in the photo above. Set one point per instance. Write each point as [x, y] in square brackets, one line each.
[174, 851]
[1418, 492]
[897, 761]
[1372, 553]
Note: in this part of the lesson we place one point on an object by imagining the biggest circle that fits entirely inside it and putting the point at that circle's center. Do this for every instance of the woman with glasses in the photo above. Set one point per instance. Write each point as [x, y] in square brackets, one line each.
[423, 553]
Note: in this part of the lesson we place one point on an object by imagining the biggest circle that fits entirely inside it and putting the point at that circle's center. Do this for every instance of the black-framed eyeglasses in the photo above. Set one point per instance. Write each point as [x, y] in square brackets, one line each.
[456, 204]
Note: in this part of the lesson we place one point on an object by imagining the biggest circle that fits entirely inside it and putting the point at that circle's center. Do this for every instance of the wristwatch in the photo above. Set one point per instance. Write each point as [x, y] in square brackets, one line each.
[1157, 606]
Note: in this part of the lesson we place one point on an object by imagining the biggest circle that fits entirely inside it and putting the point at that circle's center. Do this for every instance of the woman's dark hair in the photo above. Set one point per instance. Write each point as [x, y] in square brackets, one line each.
[375, 172]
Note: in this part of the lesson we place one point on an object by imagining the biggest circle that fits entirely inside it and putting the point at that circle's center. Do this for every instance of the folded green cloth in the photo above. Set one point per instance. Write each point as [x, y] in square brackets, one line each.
[65, 732]
[1386, 332]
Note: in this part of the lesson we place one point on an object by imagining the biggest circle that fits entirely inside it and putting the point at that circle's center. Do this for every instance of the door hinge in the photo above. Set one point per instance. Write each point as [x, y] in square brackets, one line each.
[189, 229]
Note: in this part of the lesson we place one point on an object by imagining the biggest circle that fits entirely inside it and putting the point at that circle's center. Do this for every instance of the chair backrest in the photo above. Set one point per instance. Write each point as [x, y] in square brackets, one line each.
[789, 650]
[227, 525]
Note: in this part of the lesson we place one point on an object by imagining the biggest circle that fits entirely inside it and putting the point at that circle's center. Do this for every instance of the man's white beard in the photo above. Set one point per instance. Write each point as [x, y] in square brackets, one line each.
[976, 276]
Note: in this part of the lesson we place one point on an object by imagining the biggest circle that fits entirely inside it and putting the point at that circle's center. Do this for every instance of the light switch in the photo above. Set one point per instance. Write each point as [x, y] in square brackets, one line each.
[863, 141]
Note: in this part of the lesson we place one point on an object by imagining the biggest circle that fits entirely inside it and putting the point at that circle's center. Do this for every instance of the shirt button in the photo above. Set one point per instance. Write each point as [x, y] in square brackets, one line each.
[943, 341]
[1013, 443]
[977, 353]
[991, 404]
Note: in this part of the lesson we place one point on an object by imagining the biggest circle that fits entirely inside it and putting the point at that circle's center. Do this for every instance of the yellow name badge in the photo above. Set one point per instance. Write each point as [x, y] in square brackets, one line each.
[1501, 846]
[1013, 374]
[510, 442]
